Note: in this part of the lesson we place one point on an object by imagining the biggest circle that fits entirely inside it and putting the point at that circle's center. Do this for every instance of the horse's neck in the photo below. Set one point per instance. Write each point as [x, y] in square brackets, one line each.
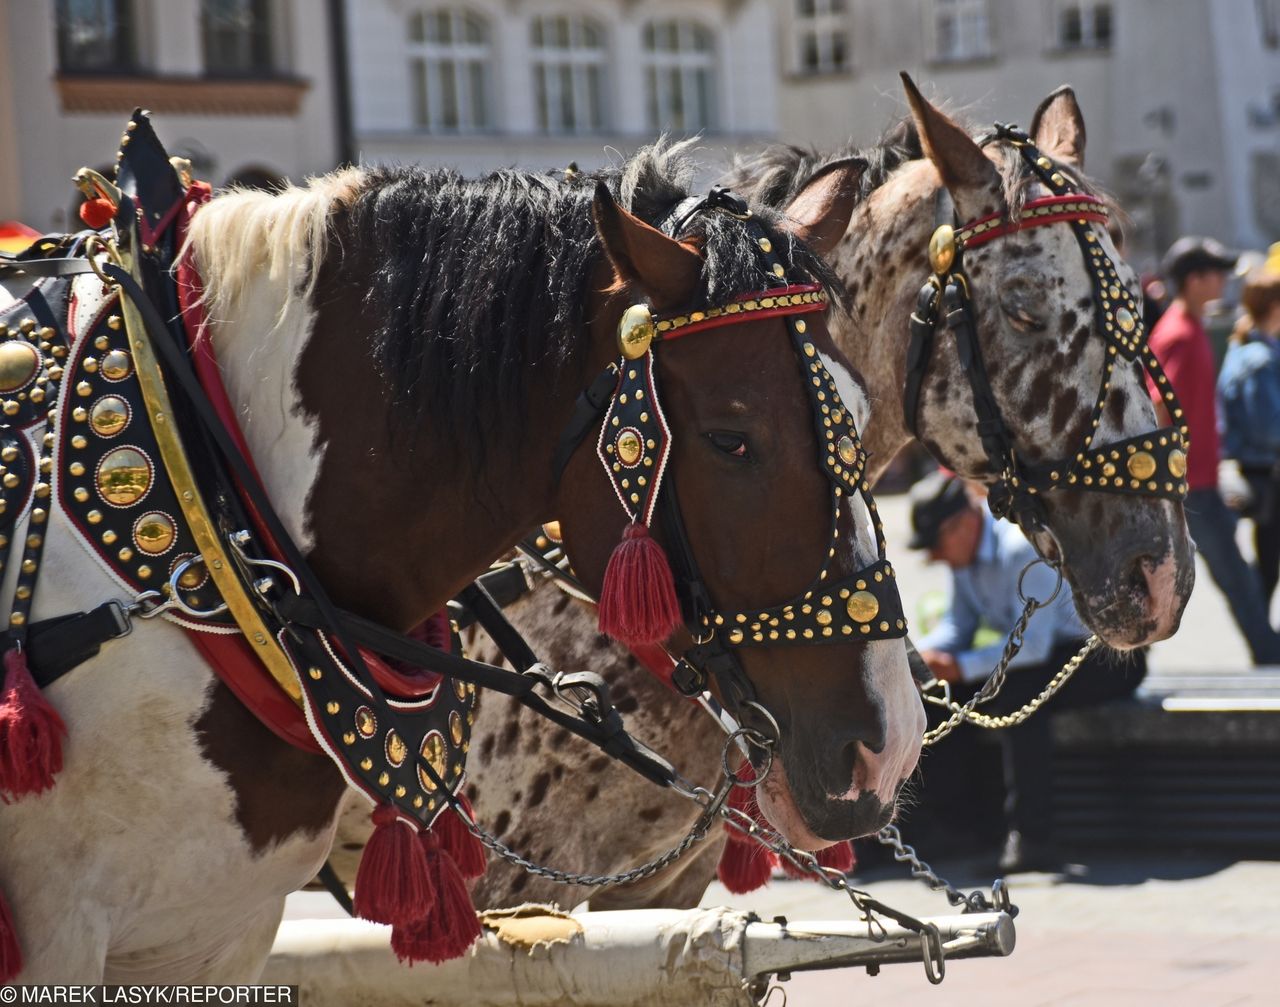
[882, 262]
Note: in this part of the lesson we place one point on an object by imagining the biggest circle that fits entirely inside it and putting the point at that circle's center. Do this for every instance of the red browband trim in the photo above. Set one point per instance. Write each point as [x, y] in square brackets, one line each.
[793, 299]
[1046, 210]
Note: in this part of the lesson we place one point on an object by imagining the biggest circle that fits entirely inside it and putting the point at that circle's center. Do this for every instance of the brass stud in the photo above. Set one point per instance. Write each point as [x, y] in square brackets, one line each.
[125, 554]
[863, 606]
[94, 517]
[315, 673]
[81, 494]
[1177, 463]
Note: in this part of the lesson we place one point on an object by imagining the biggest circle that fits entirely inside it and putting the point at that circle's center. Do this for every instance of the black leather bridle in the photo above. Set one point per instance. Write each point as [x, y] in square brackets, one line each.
[1151, 464]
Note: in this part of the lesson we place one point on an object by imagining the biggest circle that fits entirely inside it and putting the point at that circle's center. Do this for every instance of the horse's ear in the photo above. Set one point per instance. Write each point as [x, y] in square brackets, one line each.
[820, 214]
[1058, 127]
[965, 169]
[668, 271]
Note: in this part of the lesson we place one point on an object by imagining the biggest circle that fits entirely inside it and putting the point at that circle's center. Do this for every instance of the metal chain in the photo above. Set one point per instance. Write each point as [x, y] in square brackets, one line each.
[712, 804]
[974, 902]
[995, 681]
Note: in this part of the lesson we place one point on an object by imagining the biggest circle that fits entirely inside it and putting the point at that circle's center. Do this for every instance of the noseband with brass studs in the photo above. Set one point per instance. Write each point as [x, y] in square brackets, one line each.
[1152, 464]
[634, 447]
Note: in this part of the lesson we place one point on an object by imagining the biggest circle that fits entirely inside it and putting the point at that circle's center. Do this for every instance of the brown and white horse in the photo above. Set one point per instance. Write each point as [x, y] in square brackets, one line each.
[404, 349]
[1129, 560]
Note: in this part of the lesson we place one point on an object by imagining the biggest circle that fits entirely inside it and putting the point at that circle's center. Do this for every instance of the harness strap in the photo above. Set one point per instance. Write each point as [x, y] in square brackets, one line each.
[591, 403]
[56, 646]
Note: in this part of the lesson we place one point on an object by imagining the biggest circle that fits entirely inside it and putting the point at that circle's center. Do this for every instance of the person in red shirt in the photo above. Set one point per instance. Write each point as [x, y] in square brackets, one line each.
[1196, 270]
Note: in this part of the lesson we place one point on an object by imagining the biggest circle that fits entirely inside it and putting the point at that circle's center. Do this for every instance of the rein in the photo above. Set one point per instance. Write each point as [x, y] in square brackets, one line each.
[1152, 464]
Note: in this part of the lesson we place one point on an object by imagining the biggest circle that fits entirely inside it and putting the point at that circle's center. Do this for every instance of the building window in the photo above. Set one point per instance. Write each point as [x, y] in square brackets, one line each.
[1269, 22]
[820, 37]
[679, 76]
[449, 59]
[1083, 25]
[95, 36]
[237, 37]
[960, 30]
[568, 74]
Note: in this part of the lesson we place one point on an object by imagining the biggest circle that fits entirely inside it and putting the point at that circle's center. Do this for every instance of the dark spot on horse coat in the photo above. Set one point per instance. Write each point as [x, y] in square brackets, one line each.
[598, 763]
[649, 814]
[626, 704]
[539, 789]
[519, 882]
[501, 822]
[561, 736]
[591, 792]
[472, 792]
[353, 847]
[486, 749]
[507, 744]
[1068, 321]
[280, 790]
[1064, 408]
[532, 743]
[1116, 403]
[560, 604]
[602, 642]
[557, 772]
[1041, 390]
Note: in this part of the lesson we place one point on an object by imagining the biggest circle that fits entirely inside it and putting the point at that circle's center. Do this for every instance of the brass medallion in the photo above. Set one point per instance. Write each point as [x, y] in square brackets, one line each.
[1125, 319]
[19, 365]
[863, 606]
[552, 530]
[456, 730]
[116, 365]
[629, 447]
[397, 750]
[942, 249]
[154, 533]
[366, 722]
[1142, 465]
[193, 572]
[848, 453]
[1177, 463]
[635, 331]
[124, 476]
[434, 751]
[109, 415]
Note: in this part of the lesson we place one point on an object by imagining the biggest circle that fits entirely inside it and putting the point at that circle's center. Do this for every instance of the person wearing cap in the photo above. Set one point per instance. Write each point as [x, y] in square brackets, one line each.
[987, 558]
[1196, 269]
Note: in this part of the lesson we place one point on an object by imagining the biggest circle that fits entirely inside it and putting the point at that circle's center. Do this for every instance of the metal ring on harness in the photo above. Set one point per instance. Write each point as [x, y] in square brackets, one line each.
[1057, 587]
[935, 958]
[175, 595]
[750, 736]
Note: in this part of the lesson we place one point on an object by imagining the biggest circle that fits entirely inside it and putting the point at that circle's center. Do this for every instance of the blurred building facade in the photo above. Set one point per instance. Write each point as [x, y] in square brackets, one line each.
[480, 84]
[244, 88]
[1181, 97]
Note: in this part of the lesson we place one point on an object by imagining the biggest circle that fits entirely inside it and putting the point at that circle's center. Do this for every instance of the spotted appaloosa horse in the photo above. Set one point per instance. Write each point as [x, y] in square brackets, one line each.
[1127, 559]
[404, 349]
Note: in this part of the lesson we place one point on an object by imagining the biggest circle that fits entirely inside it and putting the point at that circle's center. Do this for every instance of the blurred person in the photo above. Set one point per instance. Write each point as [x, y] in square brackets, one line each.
[1196, 270]
[1249, 393]
[987, 558]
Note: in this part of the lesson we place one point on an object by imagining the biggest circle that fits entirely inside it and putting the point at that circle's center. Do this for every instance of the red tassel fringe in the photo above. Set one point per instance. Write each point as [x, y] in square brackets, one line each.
[462, 847]
[393, 884]
[31, 733]
[638, 602]
[451, 925]
[10, 952]
[744, 864]
[97, 213]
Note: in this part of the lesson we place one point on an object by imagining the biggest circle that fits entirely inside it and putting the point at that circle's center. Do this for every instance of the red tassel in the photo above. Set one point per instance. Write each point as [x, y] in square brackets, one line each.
[457, 841]
[744, 864]
[451, 925]
[97, 213]
[393, 884]
[839, 857]
[31, 732]
[638, 601]
[10, 952]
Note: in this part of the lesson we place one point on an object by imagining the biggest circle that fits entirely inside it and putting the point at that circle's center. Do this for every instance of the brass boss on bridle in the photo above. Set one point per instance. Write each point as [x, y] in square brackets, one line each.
[634, 447]
[1152, 464]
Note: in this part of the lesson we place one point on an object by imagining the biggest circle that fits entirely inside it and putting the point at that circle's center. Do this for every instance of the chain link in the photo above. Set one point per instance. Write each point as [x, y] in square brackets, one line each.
[974, 902]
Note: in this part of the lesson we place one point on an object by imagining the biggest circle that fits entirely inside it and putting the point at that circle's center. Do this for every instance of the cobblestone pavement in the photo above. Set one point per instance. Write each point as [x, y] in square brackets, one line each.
[1119, 931]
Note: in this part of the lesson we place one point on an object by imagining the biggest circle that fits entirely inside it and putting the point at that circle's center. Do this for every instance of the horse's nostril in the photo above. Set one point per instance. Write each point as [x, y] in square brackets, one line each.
[1136, 576]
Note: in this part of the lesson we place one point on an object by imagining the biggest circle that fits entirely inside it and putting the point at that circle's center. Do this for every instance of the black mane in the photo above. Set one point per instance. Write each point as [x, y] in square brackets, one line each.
[481, 284]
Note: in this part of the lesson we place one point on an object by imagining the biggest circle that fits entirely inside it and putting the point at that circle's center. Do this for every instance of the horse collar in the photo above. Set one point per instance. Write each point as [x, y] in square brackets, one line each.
[1151, 464]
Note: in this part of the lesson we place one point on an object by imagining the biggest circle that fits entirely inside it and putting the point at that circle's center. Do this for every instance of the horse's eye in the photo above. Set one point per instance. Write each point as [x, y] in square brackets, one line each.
[1023, 309]
[731, 444]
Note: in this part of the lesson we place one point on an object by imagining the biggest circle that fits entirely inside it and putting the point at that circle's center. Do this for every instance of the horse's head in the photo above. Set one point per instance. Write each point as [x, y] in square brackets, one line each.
[1056, 315]
[733, 437]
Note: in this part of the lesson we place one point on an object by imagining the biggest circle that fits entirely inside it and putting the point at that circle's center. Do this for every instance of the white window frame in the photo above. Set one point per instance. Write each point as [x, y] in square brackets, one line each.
[549, 63]
[431, 62]
[827, 22]
[693, 108]
[973, 38]
[1087, 11]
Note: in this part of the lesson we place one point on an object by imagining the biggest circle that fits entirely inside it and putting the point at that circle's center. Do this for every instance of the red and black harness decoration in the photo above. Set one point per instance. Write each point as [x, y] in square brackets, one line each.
[1153, 464]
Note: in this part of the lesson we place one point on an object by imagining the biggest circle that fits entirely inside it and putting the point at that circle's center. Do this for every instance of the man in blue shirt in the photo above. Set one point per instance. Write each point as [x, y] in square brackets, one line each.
[987, 558]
